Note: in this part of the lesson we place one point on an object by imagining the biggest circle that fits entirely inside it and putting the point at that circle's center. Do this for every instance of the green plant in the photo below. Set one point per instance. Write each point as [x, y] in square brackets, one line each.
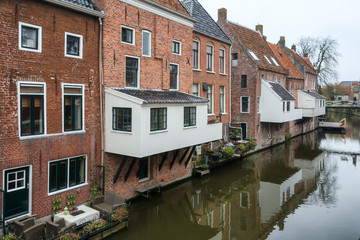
[69, 236]
[252, 143]
[242, 147]
[206, 166]
[287, 136]
[228, 151]
[10, 236]
[235, 134]
[120, 214]
[95, 225]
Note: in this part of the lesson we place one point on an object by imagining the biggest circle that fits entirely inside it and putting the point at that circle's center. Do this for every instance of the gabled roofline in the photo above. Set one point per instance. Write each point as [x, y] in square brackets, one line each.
[125, 96]
[211, 36]
[77, 8]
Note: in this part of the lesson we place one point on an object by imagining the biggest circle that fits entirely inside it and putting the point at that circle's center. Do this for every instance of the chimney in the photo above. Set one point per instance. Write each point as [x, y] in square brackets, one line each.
[222, 15]
[281, 42]
[306, 55]
[259, 28]
[293, 47]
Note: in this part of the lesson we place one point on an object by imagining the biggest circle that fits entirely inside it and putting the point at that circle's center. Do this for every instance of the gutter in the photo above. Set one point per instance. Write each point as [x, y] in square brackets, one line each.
[76, 7]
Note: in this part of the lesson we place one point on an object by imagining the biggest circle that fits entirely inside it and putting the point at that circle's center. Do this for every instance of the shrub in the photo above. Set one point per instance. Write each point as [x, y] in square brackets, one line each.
[69, 236]
[10, 236]
[252, 143]
[287, 136]
[228, 151]
[242, 147]
[120, 214]
[95, 225]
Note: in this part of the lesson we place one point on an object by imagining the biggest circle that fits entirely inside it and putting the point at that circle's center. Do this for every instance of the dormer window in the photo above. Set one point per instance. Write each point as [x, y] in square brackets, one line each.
[253, 55]
[267, 60]
[275, 62]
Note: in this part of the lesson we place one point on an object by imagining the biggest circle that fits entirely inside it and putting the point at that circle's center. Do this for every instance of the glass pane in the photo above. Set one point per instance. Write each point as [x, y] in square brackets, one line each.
[195, 89]
[11, 176]
[38, 115]
[127, 119]
[62, 175]
[126, 35]
[131, 72]
[72, 172]
[73, 90]
[146, 43]
[29, 37]
[116, 118]
[144, 168]
[186, 117]
[173, 76]
[20, 175]
[154, 119]
[72, 45]
[31, 89]
[67, 113]
[11, 185]
[52, 177]
[25, 115]
[20, 183]
[77, 113]
[81, 170]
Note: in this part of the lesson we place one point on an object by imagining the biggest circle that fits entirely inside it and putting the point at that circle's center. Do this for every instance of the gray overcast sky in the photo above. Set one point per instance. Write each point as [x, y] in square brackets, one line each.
[296, 19]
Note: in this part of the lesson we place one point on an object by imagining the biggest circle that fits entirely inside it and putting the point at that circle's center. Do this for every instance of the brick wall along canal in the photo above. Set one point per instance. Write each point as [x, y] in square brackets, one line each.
[305, 189]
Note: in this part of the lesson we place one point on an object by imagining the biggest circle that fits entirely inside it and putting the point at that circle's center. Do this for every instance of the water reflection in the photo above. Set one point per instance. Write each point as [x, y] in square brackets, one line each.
[297, 190]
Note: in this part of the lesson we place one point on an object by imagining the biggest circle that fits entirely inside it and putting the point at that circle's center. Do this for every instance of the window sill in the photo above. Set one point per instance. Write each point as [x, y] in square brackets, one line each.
[244, 112]
[67, 189]
[223, 113]
[158, 131]
[73, 56]
[51, 135]
[133, 44]
[196, 70]
[121, 132]
[210, 114]
[74, 132]
[223, 74]
[190, 127]
[148, 56]
[144, 180]
[30, 50]
[211, 72]
[178, 54]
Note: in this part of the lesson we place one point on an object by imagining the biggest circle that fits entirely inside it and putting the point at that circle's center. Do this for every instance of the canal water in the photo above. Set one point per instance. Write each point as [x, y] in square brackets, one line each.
[308, 188]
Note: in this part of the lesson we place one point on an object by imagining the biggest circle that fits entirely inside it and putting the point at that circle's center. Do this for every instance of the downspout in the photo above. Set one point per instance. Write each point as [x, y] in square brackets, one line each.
[101, 77]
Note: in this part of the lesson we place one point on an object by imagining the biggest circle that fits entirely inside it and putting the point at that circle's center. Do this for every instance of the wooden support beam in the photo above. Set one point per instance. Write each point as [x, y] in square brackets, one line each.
[129, 170]
[184, 155]
[163, 160]
[119, 169]
[174, 158]
[190, 156]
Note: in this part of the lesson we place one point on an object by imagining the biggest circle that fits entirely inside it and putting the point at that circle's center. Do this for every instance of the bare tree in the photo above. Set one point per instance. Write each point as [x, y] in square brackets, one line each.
[323, 54]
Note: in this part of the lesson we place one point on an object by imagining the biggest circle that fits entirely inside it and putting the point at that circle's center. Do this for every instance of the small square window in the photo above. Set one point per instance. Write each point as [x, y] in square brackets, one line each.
[122, 119]
[73, 45]
[176, 47]
[127, 35]
[189, 116]
[158, 119]
[30, 37]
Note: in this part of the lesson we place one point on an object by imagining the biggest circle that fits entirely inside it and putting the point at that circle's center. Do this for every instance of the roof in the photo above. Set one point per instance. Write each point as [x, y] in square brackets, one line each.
[252, 40]
[314, 94]
[174, 4]
[306, 62]
[205, 23]
[285, 61]
[83, 3]
[84, 6]
[281, 91]
[347, 83]
[161, 96]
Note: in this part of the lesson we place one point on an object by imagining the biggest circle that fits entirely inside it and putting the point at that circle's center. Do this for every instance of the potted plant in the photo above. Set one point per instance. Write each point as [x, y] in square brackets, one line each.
[235, 135]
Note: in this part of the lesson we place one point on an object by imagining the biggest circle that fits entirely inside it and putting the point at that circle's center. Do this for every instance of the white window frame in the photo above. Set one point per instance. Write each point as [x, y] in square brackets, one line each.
[68, 172]
[222, 49]
[274, 61]
[267, 59]
[80, 45]
[248, 199]
[142, 50]
[212, 57]
[253, 55]
[241, 100]
[198, 87]
[198, 54]
[212, 98]
[16, 179]
[39, 50]
[177, 80]
[19, 107]
[74, 85]
[222, 86]
[138, 72]
[133, 34]
[172, 44]
[148, 177]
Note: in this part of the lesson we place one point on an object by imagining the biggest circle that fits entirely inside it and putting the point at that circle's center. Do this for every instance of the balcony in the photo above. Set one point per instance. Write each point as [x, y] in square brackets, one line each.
[311, 103]
[277, 105]
[140, 141]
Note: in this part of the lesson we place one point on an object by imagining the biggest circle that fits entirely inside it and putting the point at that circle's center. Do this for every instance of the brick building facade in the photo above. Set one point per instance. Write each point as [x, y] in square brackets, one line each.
[49, 98]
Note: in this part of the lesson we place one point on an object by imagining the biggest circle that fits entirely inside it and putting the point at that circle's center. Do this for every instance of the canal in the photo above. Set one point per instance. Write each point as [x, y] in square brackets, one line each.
[307, 188]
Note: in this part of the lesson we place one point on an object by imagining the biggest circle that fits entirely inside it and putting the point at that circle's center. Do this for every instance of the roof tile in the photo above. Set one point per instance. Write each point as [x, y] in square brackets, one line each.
[281, 91]
[174, 4]
[83, 3]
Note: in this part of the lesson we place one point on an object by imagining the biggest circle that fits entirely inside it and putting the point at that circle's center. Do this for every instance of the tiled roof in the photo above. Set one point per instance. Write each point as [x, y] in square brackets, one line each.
[281, 91]
[174, 4]
[252, 40]
[314, 94]
[83, 3]
[285, 61]
[205, 24]
[306, 63]
[162, 96]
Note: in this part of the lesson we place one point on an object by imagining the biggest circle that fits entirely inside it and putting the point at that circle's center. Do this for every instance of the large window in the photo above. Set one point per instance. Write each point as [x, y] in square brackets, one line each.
[73, 45]
[144, 169]
[245, 104]
[243, 81]
[127, 35]
[222, 99]
[196, 47]
[146, 43]
[30, 37]
[31, 109]
[189, 116]
[210, 97]
[158, 119]
[222, 60]
[73, 107]
[176, 47]
[209, 58]
[132, 72]
[288, 106]
[174, 76]
[67, 173]
[196, 89]
[122, 119]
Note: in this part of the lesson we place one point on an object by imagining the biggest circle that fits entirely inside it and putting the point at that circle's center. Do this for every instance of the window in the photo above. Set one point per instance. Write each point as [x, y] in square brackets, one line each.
[122, 119]
[127, 35]
[73, 107]
[196, 90]
[210, 96]
[176, 47]
[73, 45]
[189, 116]
[245, 105]
[267, 60]
[196, 46]
[222, 60]
[234, 56]
[258, 104]
[174, 76]
[244, 199]
[253, 55]
[132, 67]
[30, 37]
[31, 109]
[146, 43]
[209, 57]
[288, 106]
[15, 181]
[243, 81]
[284, 106]
[67, 173]
[222, 99]
[275, 62]
[144, 169]
[158, 119]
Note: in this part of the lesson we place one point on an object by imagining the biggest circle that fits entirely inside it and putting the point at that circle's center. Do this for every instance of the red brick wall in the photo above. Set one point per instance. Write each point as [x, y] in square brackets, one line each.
[53, 68]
